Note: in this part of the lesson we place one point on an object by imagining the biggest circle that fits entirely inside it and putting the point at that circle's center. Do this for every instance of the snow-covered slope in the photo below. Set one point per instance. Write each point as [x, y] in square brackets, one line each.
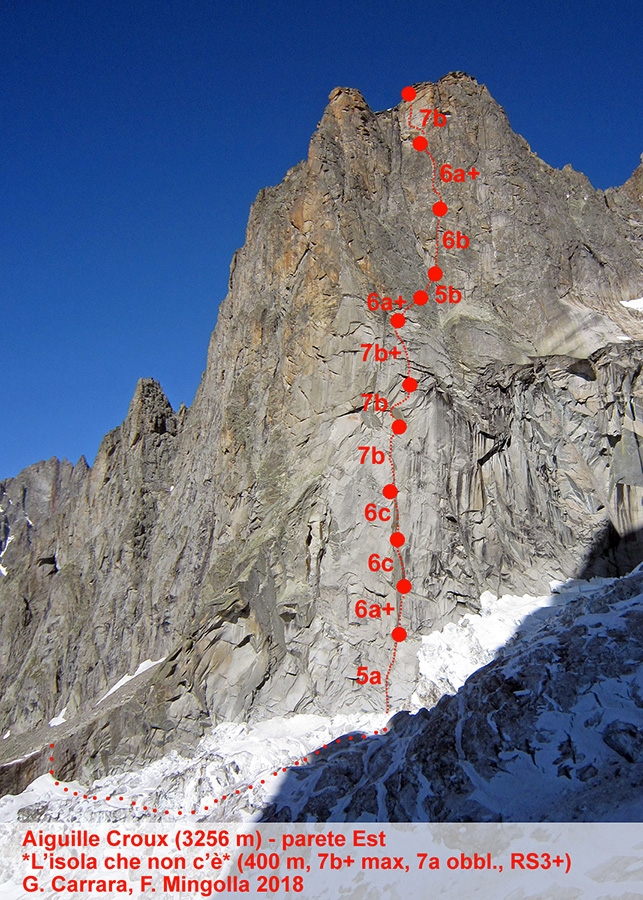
[551, 729]
[236, 771]
[234, 756]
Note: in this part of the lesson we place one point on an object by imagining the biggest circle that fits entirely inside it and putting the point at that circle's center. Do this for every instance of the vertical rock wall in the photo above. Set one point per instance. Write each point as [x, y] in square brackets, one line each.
[230, 538]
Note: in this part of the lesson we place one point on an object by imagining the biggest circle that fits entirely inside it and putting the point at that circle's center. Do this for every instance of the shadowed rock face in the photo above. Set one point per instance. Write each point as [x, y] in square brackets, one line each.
[230, 538]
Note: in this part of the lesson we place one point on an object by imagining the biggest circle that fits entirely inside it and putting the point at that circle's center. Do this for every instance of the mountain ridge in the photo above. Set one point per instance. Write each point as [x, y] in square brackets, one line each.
[225, 537]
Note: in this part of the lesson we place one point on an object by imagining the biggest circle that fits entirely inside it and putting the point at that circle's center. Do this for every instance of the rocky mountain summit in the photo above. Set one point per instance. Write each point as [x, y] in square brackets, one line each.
[228, 540]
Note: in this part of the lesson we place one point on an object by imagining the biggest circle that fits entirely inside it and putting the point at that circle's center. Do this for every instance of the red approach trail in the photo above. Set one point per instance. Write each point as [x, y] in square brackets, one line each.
[144, 809]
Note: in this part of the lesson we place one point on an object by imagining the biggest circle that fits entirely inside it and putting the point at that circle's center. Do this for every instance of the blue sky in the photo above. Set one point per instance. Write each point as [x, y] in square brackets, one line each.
[134, 135]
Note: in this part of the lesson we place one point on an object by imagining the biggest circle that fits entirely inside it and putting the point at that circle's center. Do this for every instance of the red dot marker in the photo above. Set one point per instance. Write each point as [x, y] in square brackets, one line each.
[399, 426]
[390, 491]
[398, 320]
[409, 94]
[420, 297]
[440, 208]
[397, 539]
[435, 272]
[404, 586]
[420, 143]
[410, 384]
[398, 634]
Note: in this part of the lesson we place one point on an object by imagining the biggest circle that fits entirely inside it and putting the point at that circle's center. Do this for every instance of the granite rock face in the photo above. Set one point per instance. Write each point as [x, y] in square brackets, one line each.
[633, 187]
[229, 539]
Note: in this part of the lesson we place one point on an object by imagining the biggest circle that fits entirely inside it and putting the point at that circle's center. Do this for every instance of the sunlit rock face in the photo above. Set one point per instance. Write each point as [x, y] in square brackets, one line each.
[230, 540]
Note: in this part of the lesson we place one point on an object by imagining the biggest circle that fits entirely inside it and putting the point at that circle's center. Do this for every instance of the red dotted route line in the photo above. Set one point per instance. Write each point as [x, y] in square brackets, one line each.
[390, 491]
[409, 384]
[421, 144]
[216, 801]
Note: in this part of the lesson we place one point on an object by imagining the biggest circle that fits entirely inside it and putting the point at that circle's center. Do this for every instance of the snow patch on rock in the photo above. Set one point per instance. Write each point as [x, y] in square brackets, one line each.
[59, 719]
[633, 304]
[144, 666]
